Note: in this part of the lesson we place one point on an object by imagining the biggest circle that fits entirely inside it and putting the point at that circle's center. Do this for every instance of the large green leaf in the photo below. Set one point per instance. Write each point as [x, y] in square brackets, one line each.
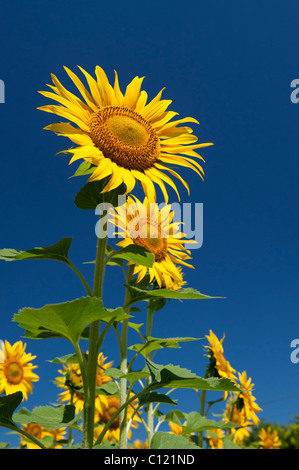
[171, 376]
[90, 195]
[187, 293]
[47, 416]
[66, 320]
[165, 440]
[58, 252]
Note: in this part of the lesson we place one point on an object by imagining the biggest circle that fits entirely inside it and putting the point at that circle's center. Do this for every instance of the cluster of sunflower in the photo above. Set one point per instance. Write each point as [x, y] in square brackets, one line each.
[123, 139]
[241, 407]
[16, 374]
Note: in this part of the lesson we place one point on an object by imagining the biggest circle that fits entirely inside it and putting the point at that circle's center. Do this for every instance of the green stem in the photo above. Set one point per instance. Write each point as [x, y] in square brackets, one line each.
[89, 404]
[124, 368]
[150, 409]
[202, 412]
[81, 277]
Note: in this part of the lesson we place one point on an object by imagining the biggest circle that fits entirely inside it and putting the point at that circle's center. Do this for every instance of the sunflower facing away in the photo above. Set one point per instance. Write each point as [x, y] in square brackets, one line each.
[16, 369]
[123, 135]
[145, 225]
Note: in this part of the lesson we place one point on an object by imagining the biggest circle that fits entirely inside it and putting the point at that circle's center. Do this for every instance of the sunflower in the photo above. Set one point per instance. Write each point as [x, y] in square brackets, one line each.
[249, 404]
[39, 432]
[215, 438]
[102, 417]
[237, 416]
[123, 135]
[176, 428]
[140, 445]
[269, 439]
[16, 369]
[216, 351]
[147, 226]
[35, 430]
[71, 380]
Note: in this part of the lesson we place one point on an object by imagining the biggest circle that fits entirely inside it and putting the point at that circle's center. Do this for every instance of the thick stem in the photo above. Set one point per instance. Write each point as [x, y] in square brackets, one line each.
[150, 408]
[89, 405]
[124, 369]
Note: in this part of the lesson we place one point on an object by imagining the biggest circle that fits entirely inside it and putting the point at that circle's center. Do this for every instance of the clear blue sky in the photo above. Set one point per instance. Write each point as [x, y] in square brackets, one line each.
[230, 65]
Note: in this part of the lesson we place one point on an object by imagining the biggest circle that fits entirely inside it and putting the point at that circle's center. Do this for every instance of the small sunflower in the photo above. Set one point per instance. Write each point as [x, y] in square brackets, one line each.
[71, 380]
[140, 445]
[39, 432]
[35, 430]
[222, 366]
[16, 369]
[249, 401]
[234, 415]
[122, 135]
[147, 226]
[269, 438]
[102, 417]
[215, 438]
[176, 428]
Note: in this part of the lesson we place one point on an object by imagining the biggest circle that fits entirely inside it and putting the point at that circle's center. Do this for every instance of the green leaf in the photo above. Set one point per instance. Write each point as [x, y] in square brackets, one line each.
[228, 442]
[171, 376]
[132, 377]
[196, 423]
[154, 344]
[135, 254]
[110, 388]
[175, 416]
[66, 320]
[58, 252]
[155, 397]
[8, 404]
[90, 195]
[49, 417]
[187, 293]
[67, 359]
[164, 440]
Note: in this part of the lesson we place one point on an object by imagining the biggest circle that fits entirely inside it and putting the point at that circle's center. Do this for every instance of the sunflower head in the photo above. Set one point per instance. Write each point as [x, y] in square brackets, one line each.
[144, 224]
[106, 413]
[122, 135]
[16, 369]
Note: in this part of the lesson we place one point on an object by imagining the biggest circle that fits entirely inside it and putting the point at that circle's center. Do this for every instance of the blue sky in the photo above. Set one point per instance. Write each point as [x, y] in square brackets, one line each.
[227, 65]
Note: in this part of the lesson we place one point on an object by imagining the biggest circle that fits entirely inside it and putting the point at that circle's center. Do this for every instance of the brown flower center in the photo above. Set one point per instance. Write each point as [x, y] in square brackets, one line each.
[13, 371]
[125, 137]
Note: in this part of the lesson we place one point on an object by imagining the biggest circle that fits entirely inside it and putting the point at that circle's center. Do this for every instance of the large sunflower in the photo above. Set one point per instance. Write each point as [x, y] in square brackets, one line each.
[16, 369]
[122, 135]
[144, 224]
